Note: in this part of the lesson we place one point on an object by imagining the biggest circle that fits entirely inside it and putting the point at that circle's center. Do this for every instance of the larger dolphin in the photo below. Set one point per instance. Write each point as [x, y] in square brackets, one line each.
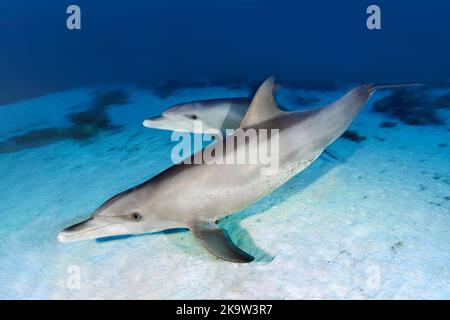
[196, 196]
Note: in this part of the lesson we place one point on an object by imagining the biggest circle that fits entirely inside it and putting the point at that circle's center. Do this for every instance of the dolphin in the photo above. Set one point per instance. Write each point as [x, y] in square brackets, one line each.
[215, 114]
[196, 196]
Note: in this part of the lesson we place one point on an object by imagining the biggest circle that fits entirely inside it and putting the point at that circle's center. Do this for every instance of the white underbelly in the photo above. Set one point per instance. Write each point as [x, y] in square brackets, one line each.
[288, 171]
[244, 195]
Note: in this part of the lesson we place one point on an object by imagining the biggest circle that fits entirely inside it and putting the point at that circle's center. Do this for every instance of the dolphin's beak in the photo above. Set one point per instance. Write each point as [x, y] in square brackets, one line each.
[152, 122]
[92, 228]
[180, 124]
[172, 123]
[160, 122]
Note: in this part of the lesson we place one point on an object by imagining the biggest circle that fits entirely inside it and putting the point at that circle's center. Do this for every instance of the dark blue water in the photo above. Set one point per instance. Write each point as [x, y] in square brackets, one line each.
[309, 43]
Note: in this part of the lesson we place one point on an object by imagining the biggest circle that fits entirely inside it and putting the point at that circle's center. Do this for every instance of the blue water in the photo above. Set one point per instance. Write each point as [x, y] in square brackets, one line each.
[369, 221]
[312, 43]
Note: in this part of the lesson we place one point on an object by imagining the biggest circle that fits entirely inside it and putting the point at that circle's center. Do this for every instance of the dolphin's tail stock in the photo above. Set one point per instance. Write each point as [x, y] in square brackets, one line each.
[381, 86]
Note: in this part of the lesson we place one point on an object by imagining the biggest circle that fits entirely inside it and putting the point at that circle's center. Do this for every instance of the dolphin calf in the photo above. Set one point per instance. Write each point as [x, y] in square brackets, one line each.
[196, 196]
[214, 114]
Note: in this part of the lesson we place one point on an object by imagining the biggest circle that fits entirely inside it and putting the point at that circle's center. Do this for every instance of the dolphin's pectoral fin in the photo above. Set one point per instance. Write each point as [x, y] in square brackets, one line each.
[217, 241]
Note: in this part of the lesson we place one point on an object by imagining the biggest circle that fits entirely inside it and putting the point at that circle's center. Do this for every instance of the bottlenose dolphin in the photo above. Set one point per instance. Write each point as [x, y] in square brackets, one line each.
[197, 196]
[214, 114]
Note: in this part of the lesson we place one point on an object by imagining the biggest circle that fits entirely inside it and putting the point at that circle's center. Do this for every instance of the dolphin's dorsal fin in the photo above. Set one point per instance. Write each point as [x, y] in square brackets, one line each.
[218, 242]
[263, 106]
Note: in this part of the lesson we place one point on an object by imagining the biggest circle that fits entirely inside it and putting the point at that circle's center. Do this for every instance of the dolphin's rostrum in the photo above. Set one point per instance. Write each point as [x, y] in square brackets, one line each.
[196, 196]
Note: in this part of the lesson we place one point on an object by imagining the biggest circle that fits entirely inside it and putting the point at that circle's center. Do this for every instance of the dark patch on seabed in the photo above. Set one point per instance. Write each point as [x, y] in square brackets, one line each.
[301, 100]
[396, 246]
[84, 125]
[166, 88]
[379, 138]
[353, 136]
[442, 178]
[388, 124]
[414, 106]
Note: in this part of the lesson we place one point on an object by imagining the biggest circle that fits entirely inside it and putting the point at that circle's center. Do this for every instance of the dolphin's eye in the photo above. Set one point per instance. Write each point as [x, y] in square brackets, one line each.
[192, 116]
[136, 216]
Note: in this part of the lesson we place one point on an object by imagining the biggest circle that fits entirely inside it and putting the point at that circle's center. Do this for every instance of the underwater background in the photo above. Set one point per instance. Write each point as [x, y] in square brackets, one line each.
[372, 221]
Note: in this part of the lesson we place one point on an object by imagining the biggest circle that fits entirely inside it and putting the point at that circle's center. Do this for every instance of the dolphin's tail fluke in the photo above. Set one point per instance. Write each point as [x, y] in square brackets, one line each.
[374, 86]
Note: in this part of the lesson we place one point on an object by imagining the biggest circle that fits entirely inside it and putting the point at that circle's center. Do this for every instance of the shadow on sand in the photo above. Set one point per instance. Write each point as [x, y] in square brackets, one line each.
[84, 125]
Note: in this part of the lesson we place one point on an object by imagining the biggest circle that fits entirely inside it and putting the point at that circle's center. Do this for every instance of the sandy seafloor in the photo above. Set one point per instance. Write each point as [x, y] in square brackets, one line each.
[374, 225]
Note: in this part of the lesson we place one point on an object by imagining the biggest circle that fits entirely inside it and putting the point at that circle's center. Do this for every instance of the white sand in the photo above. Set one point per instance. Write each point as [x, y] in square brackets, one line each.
[374, 226]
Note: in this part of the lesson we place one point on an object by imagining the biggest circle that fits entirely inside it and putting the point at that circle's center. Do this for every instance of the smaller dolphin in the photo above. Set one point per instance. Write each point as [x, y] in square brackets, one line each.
[215, 114]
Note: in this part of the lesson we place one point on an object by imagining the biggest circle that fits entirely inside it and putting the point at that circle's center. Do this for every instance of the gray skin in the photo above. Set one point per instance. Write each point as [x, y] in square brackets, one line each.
[196, 196]
[218, 117]
[214, 114]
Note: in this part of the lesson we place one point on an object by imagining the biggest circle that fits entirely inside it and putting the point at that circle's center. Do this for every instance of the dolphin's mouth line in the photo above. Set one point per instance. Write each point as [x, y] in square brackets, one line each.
[89, 230]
